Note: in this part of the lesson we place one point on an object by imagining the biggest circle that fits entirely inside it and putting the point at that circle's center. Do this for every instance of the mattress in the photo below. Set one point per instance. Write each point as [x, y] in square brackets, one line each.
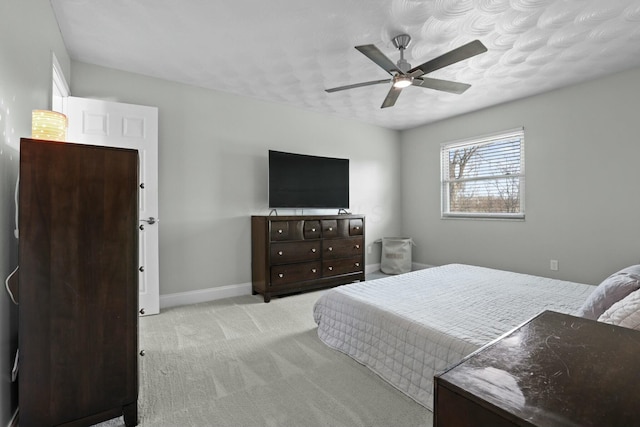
[409, 327]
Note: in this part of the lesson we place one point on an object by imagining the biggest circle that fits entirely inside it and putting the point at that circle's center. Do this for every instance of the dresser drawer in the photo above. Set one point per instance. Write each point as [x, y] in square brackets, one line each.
[286, 230]
[312, 230]
[336, 267]
[356, 227]
[341, 248]
[285, 253]
[329, 228]
[290, 273]
[279, 230]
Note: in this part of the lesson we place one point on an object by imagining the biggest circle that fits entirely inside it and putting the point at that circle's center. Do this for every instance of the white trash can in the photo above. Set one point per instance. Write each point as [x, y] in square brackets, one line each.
[396, 255]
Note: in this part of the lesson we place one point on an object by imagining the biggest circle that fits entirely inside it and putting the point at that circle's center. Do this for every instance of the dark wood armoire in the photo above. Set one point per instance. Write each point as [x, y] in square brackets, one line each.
[78, 303]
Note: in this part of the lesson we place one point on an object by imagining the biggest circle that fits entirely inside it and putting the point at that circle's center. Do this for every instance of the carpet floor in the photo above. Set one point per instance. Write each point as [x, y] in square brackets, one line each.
[241, 362]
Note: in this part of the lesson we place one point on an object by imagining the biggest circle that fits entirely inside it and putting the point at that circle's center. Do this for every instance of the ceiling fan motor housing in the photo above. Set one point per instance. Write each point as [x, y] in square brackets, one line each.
[403, 65]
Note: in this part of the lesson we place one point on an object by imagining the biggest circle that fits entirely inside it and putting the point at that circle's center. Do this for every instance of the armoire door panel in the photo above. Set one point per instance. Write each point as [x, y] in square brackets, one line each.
[78, 330]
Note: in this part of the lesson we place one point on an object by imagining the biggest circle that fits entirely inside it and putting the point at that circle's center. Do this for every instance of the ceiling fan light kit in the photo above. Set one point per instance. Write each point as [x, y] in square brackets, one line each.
[402, 81]
[402, 75]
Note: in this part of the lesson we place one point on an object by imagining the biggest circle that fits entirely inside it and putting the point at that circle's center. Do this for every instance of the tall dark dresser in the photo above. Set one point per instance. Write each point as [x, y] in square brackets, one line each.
[78, 312]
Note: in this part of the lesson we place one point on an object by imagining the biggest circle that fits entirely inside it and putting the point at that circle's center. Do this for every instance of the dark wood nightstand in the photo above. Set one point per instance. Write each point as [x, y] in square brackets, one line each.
[555, 370]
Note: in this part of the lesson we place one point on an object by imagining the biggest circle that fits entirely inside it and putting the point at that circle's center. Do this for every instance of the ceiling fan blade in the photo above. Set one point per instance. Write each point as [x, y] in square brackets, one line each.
[391, 98]
[374, 54]
[443, 85]
[456, 55]
[375, 82]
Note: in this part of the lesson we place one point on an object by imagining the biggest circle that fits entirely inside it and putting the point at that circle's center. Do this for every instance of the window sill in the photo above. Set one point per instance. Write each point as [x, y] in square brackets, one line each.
[499, 217]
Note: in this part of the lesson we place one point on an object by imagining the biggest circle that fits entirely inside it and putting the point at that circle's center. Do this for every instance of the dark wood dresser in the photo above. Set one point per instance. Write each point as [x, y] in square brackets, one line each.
[298, 253]
[555, 370]
[78, 291]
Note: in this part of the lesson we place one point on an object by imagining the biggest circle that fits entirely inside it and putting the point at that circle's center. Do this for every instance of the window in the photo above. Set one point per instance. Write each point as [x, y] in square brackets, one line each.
[484, 177]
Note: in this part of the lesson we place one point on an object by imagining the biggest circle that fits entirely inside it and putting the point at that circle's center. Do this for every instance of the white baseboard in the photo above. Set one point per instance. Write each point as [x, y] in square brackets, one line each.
[204, 295]
[371, 268]
[418, 266]
[212, 294]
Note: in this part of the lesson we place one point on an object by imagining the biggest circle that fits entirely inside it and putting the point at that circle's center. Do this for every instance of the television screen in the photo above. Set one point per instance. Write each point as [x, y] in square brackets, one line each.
[303, 181]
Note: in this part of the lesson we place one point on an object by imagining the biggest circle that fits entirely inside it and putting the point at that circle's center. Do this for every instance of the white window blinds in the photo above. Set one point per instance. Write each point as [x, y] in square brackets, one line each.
[484, 177]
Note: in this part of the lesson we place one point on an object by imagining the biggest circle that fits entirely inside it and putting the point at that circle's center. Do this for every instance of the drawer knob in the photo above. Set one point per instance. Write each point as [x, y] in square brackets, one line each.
[142, 311]
[330, 268]
[357, 246]
[357, 228]
[330, 228]
[313, 270]
[280, 231]
[280, 275]
[330, 249]
[313, 250]
[357, 264]
[280, 253]
[313, 230]
[142, 353]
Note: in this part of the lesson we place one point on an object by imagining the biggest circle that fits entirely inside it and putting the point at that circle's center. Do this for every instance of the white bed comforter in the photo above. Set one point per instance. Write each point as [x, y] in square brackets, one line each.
[409, 327]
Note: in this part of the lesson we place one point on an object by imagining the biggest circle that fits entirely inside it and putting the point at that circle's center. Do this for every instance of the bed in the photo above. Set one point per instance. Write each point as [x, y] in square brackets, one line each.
[407, 328]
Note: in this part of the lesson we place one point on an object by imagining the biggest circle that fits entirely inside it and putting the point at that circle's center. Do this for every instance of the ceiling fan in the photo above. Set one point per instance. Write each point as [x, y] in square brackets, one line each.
[403, 75]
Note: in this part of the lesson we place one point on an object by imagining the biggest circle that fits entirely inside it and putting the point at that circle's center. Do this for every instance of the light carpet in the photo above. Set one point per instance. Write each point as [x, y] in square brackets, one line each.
[241, 362]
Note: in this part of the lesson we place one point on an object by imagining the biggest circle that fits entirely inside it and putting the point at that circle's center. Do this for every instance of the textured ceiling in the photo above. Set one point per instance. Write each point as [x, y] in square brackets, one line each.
[289, 51]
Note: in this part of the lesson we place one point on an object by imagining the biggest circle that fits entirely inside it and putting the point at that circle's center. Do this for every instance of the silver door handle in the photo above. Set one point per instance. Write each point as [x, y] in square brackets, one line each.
[150, 220]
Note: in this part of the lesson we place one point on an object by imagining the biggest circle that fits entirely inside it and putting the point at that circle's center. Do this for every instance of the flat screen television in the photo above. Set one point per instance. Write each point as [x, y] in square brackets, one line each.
[303, 181]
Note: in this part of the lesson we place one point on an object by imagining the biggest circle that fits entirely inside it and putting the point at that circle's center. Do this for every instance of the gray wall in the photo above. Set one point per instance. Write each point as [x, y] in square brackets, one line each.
[28, 34]
[213, 170]
[582, 179]
[582, 199]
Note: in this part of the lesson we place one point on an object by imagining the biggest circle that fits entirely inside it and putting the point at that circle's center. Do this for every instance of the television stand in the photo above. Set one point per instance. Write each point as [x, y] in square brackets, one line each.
[298, 253]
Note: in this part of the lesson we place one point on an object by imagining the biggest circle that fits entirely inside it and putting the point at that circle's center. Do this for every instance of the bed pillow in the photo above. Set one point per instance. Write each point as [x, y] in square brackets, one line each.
[625, 312]
[611, 290]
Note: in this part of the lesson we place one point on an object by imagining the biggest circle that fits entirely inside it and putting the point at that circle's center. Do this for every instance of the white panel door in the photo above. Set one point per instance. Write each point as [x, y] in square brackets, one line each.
[114, 124]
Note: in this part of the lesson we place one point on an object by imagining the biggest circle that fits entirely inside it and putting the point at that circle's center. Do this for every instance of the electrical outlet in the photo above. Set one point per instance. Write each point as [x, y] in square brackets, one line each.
[553, 265]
